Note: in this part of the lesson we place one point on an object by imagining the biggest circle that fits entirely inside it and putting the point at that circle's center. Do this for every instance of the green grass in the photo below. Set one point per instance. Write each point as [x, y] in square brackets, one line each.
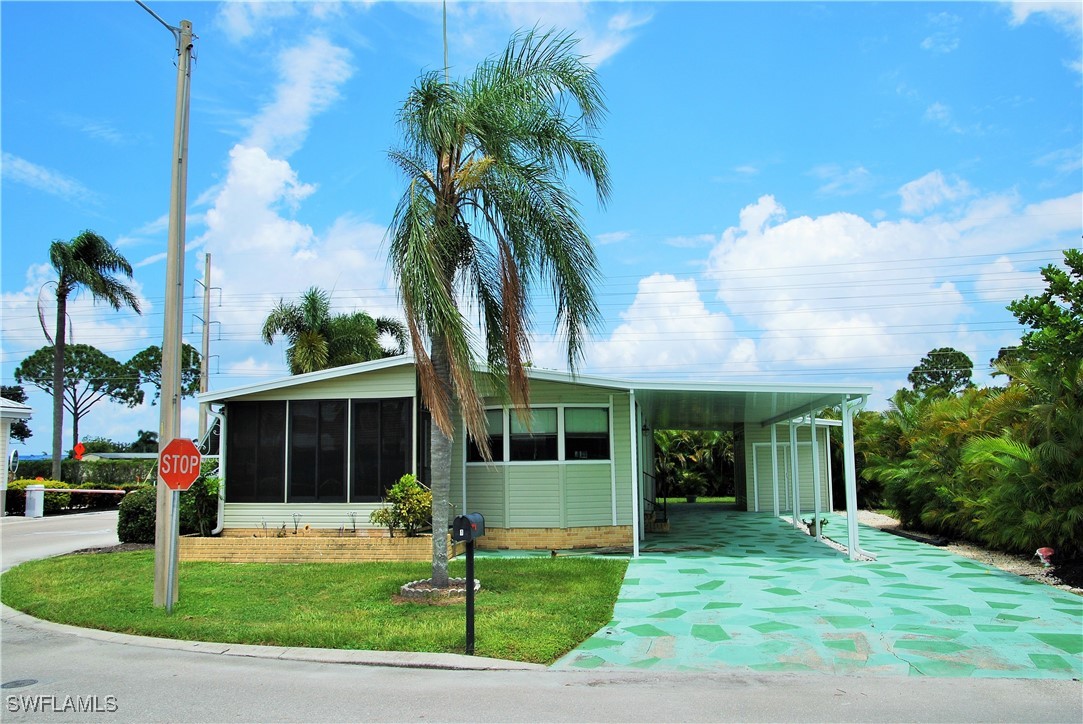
[532, 609]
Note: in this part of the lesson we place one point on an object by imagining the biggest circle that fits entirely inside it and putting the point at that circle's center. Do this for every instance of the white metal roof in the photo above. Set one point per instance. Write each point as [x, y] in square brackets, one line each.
[12, 410]
[674, 404]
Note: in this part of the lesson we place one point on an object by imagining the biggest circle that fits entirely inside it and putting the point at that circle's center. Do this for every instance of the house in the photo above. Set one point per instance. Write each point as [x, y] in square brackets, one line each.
[10, 413]
[322, 448]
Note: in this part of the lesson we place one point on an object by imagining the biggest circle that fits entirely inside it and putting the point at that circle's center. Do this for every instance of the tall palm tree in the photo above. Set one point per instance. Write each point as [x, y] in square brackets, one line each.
[319, 340]
[86, 262]
[486, 215]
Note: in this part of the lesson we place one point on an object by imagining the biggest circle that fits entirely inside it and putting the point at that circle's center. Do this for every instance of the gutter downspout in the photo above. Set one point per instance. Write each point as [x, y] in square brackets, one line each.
[221, 418]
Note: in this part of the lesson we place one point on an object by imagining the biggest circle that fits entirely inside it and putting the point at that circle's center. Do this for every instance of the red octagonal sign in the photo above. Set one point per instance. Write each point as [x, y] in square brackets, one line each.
[178, 464]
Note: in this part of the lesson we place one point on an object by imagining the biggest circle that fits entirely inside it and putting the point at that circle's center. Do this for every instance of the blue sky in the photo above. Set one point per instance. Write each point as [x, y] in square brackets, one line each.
[816, 192]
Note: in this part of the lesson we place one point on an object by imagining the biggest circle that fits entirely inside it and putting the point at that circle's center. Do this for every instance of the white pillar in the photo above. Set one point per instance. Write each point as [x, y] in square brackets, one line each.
[795, 476]
[634, 434]
[850, 476]
[815, 475]
[774, 466]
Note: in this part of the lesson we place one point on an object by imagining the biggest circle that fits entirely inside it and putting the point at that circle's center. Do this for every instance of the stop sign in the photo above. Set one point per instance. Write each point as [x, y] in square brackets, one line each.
[178, 464]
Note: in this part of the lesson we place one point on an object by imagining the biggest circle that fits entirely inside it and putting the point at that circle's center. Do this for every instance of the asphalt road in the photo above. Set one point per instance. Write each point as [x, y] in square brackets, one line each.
[27, 539]
[52, 673]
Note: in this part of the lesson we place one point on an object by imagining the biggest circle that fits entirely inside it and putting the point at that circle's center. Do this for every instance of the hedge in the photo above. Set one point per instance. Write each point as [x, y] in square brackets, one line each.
[100, 472]
[15, 501]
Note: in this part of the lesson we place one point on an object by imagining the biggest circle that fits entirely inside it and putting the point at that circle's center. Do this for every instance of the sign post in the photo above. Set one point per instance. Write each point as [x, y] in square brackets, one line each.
[179, 465]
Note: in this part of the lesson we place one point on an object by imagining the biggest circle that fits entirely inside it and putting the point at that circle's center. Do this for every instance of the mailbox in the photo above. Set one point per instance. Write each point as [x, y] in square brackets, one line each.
[466, 528]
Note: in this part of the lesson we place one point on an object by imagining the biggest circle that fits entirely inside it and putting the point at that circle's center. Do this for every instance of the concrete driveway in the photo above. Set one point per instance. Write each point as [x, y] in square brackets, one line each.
[739, 591]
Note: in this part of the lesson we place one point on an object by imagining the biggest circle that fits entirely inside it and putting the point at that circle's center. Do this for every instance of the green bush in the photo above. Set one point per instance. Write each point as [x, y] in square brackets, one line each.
[101, 472]
[135, 522]
[199, 505]
[95, 501]
[410, 508]
[15, 503]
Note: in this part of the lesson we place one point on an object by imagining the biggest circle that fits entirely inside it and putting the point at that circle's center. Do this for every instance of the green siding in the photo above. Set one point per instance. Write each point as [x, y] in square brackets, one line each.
[316, 515]
[392, 382]
[534, 496]
[485, 494]
[762, 476]
[589, 494]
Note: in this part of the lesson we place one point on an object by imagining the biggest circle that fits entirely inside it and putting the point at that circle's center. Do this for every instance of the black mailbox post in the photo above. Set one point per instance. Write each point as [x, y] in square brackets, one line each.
[465, 529]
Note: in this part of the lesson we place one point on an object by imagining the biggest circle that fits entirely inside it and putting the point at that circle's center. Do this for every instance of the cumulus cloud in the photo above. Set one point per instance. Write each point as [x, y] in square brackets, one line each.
[930, 191]
[944, 37]
[19, 170]
[310, 77]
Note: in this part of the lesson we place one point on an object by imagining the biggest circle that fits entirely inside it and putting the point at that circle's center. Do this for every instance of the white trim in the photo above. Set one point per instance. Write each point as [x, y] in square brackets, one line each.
[795, 476]
[815, 476]
[634, 444]
[303, 379]
[774, 465]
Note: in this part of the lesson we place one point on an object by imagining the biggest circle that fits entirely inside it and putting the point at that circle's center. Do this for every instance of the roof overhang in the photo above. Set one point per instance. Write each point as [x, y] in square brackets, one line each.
[676, 405]
[11, 410]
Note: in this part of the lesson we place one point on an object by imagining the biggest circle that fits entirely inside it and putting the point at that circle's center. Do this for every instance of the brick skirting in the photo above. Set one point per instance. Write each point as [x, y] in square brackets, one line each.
[602, 536]
[232, 548]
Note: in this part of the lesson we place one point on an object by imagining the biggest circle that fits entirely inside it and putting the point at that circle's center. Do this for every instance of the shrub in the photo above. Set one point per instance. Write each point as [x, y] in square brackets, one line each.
[199, 505]
[135, 522]
[96, 501]
[101, 472]
[15, 503]
[410, 508]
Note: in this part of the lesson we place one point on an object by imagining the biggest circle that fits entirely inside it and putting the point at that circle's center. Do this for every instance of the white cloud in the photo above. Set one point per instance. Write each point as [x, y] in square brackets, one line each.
[242, 20]
[839, 181]
[55, 183]
[612, 237]
[840, 293]
[945, 35]
[1068, 15]
[310, 77]
[930, 191]
[669, 328]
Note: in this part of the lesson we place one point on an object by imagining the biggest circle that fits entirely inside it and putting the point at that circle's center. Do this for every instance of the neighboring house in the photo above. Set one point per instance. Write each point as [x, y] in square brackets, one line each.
[326, 445]
[10, 411]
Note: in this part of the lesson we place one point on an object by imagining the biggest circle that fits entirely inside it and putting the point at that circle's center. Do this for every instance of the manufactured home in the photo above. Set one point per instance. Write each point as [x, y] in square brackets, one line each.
[323, 447]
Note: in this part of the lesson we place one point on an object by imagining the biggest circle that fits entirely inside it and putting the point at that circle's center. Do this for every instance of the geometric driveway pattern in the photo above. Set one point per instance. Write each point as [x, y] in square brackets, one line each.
[727, 590]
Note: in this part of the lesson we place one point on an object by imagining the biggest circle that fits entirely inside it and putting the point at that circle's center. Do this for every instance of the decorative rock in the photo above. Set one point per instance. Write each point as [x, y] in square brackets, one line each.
[424, 590]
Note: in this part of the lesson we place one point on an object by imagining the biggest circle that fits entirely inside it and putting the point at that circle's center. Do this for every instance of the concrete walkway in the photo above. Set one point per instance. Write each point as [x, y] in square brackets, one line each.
[746, 592]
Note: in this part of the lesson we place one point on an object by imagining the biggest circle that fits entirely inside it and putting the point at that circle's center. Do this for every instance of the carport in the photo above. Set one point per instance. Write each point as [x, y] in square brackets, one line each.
[767, 420]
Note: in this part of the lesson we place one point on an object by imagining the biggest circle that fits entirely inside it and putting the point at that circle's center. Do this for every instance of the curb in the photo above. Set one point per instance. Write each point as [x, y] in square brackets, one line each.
[399, 659]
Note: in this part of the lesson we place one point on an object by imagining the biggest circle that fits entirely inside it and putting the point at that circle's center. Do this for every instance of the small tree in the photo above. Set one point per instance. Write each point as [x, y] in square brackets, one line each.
[944, 371]
[90, 376]
[20, 431]
[147, 365]
[1055, 317]
[410, 508]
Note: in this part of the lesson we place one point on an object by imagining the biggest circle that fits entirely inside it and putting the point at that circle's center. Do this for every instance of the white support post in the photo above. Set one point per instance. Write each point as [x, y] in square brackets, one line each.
[850, 476]
[634, 434]
[815, 475]
[774, 467]
[795, 476]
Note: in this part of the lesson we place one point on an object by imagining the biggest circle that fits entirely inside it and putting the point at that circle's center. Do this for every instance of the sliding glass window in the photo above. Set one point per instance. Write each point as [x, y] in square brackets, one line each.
[538, 441]
[586, 433]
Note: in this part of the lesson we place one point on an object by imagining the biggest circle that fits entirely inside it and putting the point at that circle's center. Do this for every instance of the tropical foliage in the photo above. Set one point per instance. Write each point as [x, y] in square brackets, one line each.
[1000, 466]
[320, 340]
[87, 262]
[692, 462]
[408, 507]
[485, 217]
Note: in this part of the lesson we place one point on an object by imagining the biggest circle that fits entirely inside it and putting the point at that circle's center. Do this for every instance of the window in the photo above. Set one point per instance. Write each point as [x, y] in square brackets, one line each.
[382, 446]
[317, 451]
[586, 433]
[256, 452]
[494, 423]
[539, 440]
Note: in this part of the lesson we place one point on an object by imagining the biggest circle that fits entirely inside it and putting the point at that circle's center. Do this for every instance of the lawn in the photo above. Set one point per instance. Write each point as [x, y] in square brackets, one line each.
[528, 609]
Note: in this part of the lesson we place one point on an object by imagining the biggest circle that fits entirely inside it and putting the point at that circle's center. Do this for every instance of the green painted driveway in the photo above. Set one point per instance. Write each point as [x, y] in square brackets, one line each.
[745, 591]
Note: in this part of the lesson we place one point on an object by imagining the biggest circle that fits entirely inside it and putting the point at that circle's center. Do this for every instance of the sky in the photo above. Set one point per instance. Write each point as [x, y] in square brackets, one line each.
[802, 192]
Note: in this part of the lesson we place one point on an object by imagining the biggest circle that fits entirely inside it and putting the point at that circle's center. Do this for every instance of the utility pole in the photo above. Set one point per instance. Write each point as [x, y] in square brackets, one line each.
[204, 362]
[165, 542]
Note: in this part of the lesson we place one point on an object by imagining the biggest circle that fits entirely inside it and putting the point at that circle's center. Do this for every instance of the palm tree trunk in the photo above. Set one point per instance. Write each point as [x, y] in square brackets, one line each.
[441, 471]
[58, 380]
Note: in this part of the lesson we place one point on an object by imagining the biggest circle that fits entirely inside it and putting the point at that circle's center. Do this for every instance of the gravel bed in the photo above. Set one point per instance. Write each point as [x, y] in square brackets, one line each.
[1010, 562]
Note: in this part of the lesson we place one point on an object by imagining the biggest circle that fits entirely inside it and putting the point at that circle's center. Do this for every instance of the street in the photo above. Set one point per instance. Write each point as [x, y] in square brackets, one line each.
[54, 673]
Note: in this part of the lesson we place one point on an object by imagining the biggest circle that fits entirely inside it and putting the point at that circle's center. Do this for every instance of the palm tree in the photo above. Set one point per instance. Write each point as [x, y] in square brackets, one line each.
[486, 215]
[86, 262]
[319, 340]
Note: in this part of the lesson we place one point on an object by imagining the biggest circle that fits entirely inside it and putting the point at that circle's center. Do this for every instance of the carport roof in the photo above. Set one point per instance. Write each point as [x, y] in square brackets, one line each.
[674, 404]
